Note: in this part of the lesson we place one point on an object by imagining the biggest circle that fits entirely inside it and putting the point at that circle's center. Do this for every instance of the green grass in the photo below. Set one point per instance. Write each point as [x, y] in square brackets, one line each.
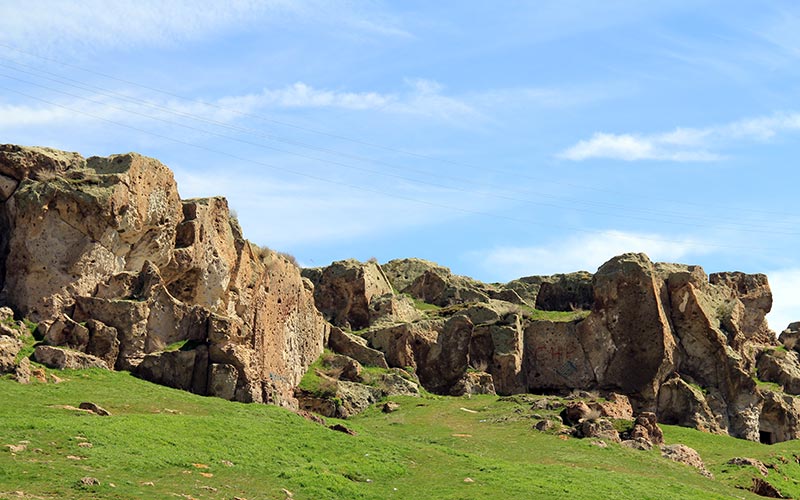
[424, 450]
[424, 306]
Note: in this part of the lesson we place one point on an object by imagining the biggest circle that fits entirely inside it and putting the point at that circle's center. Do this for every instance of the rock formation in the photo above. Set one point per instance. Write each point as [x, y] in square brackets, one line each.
[120, 273]
[103, 253]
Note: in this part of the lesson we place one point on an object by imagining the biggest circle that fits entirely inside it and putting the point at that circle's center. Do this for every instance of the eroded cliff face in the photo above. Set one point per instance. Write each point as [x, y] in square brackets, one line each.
[674, 340]
[107, 242]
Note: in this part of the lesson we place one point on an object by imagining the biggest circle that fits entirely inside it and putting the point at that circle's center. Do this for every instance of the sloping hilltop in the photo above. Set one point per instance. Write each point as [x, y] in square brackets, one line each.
[104, 267]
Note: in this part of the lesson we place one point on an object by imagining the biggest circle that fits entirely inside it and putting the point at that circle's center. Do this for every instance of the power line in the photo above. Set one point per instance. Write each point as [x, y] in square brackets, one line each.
[362, 188]
[368, 143]
[492, 194]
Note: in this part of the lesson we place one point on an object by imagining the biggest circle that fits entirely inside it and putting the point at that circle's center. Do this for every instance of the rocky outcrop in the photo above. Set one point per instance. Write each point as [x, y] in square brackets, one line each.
[356, 348]
[685, 455]
[65, 359]
[781, 367]
[344, 291]
[566, 292]
[104, 253]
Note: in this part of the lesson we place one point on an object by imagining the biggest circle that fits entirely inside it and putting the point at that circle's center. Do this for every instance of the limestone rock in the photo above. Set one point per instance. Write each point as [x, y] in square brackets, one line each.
[779, 419]
[637, 444]
[646, 427]
[753, 291]
[616, 406]
[222, 381]
[681, 404]
[474, 383]
[22, 373]
[347, 368]
[390, 407]
[175, 369]
[600, 428]
[437, 350]
[391, 308]
[9, 348]
[345, 289]
[781, 367]
[566, 292]
[94, 408]
[356, 348]
[72, 231]
[64, 359]
[685, 455]
[764, 489]
[574, 412]
[401, 273]
[790, 337]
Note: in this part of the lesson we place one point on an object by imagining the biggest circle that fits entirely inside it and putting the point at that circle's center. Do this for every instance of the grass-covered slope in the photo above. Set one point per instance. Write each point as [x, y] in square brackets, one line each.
[164, 443]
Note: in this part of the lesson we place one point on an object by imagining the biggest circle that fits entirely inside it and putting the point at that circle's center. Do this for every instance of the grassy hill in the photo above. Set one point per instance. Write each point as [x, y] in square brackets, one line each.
[164, 443]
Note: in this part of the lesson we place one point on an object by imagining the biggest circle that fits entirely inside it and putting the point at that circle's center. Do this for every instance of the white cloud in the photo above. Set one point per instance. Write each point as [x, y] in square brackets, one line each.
[422, 98]
[785, 285]
[584, 252]
[681, 144]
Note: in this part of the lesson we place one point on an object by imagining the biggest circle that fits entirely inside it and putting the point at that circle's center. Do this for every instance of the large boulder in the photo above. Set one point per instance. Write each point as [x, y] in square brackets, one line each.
[356, 348]
[84, 221]
[437, 350]
[344, 290]
[680, 403]
[105, 254]
[781, 367]
[65, 359]
[566, 292]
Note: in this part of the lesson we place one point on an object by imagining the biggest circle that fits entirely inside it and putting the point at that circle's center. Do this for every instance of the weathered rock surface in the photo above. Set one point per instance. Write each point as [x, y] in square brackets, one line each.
[780, 367]
[344, 290]
[105, 254]
[566, 292]
[355, 347]
[65, 359]
[681, 404]
[685, 455]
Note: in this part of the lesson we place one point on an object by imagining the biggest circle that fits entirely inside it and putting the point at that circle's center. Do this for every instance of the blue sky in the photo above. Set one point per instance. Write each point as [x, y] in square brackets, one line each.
[501, 139]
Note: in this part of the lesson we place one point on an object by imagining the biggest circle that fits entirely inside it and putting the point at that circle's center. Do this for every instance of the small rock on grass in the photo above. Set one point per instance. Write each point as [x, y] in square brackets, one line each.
[90, 481]
[94, 408]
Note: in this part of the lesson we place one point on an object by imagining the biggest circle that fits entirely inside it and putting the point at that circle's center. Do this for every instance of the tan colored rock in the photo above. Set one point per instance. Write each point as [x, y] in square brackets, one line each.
[73, 231]
[566, 292]
[356, 348]
[779, 419]
[7, 187]
[646, 427]
[22, 373]
[616, 406]
[345, 290]
[175, 369]
[574, 412]
[790, 337]
[401, 273]
[685, 455]
[391, 308]
[681, 404]
[437, 350]
[753, 291]
[9, 348]
[474, 383]
[781, 367]
[600, 429]
[64, 359]
[222, 381]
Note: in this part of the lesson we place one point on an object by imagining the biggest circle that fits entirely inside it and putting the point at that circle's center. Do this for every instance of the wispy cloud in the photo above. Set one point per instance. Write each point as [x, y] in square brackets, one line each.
[423, 98]
[682, 144]
[583, 252]
[97, 24]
